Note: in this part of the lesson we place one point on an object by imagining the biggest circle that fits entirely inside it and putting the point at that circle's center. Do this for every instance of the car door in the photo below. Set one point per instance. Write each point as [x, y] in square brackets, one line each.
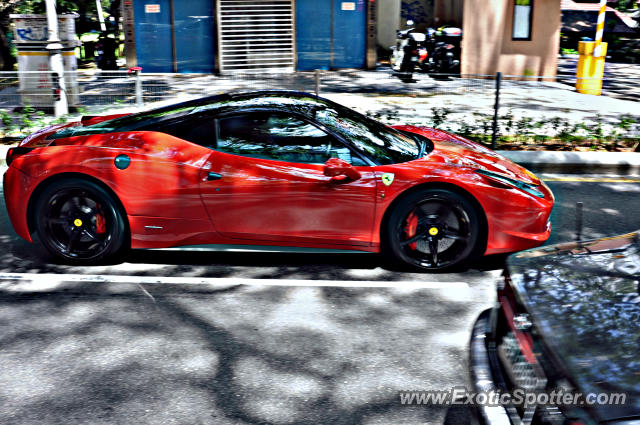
[266, 182]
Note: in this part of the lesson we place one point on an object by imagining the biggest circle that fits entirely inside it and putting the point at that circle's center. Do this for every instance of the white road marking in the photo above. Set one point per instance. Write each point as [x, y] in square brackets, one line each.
[35, 282]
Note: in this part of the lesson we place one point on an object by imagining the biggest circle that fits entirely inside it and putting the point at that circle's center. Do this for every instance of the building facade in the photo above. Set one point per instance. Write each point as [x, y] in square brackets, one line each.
[515, 37]
[249, 35]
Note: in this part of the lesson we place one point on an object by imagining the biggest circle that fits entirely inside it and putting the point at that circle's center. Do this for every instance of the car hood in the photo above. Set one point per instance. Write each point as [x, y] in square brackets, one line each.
[455, 150]
[583, 298]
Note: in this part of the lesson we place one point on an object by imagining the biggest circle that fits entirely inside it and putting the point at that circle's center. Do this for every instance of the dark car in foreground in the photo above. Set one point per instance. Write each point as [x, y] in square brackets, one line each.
[567, 322]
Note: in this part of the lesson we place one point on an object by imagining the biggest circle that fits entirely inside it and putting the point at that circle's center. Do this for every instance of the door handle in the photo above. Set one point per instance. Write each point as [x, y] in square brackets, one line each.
[213, 176]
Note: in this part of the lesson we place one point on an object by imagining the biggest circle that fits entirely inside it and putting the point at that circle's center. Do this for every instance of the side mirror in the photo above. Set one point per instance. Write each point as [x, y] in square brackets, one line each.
[339, 169]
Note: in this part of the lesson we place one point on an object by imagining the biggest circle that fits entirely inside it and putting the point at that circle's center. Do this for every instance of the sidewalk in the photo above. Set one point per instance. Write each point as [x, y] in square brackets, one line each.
[469, 97]
[621, 80]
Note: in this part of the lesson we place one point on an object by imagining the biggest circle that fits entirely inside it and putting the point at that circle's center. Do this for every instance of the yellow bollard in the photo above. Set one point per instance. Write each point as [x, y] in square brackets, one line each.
[590, 68]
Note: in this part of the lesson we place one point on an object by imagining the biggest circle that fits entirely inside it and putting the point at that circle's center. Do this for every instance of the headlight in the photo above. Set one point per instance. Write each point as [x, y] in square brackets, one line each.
[531, 189]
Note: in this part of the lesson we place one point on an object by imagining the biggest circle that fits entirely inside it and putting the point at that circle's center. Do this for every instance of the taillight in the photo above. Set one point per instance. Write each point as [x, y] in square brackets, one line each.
[13, 153]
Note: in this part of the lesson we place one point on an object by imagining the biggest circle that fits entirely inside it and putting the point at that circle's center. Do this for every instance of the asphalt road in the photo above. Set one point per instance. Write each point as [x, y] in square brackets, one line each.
[290, 351]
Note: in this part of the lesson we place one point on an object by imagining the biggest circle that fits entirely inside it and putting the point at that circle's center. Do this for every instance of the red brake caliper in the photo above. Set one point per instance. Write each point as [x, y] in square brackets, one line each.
[101, 223]
[411, 228]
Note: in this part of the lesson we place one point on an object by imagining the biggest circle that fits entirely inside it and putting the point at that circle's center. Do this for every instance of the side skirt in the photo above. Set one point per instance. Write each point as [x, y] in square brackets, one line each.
[259, 248]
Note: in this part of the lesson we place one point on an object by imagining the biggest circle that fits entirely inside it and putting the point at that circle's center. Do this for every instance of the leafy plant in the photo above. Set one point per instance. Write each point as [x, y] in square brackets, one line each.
[596, 131]
[566, 51]
[524, 127]
[486, 124]
[467, 129]
[439, 116]
[6, 118]
[625, 122]
[508, 121]
[558, 123]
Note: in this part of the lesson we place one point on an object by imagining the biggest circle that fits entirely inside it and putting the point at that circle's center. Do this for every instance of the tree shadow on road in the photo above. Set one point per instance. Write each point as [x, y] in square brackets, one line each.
[23, 257]
[252, 355]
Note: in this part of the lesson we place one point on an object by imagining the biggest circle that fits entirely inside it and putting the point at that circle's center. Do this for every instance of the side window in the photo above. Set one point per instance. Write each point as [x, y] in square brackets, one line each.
[199, 130]
[278, 137]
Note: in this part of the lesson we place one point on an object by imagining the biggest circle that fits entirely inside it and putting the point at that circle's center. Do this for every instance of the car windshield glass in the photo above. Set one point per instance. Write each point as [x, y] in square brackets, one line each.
[426, 144]
[383, 144]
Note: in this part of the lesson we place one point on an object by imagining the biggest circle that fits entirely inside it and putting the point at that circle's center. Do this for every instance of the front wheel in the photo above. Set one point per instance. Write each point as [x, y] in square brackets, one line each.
[433, 229]
[79, 222]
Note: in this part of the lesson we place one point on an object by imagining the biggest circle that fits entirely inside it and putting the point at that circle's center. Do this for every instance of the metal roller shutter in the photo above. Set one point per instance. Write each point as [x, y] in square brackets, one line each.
[256, 35]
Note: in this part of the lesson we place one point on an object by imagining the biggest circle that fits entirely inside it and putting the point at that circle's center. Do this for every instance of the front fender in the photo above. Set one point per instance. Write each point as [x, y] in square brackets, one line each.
[515, 220]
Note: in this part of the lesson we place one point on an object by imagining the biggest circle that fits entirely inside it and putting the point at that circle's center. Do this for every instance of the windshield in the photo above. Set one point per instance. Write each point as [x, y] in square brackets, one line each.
[383, 144]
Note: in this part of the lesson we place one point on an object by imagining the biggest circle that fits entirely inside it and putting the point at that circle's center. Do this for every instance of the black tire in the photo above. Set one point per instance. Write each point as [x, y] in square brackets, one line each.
[79, 222]
[433, 218]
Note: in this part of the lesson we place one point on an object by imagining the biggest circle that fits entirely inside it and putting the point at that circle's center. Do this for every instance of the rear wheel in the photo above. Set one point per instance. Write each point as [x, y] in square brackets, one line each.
[433, 229]
[79, 222]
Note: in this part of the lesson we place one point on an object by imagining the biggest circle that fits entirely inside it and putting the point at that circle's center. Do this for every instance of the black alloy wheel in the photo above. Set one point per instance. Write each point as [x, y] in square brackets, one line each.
[79, 222]
[434, 229]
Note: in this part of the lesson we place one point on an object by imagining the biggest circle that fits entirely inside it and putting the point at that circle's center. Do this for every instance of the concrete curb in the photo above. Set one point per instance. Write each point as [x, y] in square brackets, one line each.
[619, 163]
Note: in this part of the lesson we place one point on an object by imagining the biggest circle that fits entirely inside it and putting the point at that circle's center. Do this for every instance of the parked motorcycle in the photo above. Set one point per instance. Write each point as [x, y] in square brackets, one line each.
[408, 51]
[436, 52]
[443, 46]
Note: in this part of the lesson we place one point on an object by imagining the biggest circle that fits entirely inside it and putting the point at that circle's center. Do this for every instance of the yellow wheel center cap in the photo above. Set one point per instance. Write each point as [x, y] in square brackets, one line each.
[433, 231]
[77, 222]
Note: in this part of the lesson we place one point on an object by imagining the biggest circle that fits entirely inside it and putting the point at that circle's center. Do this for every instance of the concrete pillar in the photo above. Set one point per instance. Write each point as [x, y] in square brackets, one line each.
[388, 21]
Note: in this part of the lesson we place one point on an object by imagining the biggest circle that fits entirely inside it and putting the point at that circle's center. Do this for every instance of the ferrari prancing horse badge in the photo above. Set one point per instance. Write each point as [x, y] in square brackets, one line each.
[387, 178]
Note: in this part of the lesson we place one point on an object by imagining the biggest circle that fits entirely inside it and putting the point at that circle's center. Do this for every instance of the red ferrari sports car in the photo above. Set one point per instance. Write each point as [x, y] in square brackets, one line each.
[269, 169]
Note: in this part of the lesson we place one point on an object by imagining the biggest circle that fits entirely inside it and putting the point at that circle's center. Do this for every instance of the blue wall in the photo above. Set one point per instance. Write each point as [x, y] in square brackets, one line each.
[153, 36]
[314, 34]
[194, 29]
[349, 35]
[195, 40]
[196, 43]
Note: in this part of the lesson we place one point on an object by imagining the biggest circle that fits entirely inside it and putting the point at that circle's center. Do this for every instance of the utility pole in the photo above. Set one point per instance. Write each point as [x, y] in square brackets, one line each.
[56, 65]
[103, 27]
